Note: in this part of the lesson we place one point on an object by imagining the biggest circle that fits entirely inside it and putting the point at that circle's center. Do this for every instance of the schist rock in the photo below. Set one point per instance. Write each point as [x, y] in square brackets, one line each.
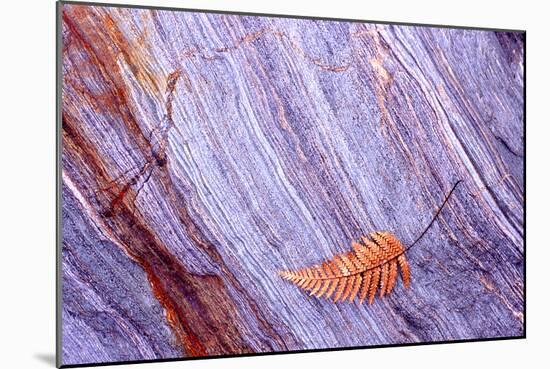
[204, 153]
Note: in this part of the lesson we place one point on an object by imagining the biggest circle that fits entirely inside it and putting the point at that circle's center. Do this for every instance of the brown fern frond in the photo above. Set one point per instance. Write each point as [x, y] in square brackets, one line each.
[372, 266]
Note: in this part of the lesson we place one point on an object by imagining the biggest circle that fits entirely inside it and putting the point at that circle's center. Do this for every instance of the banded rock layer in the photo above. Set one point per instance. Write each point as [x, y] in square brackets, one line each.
[203, 153]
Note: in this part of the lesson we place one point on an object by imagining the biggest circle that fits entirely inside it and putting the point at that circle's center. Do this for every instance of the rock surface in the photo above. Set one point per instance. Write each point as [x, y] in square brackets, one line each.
[203, 153]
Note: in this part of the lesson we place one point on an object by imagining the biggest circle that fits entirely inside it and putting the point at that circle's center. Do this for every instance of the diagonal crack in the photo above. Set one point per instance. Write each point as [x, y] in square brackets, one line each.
[507, 146]
[211, 53]
[158, 139]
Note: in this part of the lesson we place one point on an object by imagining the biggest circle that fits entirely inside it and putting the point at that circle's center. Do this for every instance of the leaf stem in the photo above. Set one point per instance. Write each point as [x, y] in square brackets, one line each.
[436, 215]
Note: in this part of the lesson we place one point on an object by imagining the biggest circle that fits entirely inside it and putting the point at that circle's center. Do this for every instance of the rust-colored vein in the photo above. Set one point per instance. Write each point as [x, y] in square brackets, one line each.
[171, 81]
[210, 54]
[114, 100]
[385, 79]
[491, 288]
[186, 298]
[197, 307]
[201, 241]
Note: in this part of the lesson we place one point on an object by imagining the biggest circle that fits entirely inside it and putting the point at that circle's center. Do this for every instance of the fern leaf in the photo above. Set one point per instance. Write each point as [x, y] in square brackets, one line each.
[392, 277]
[405, 273]
[373, 265]
[340, 288]
[375, 278]
[384, 277]
[365, 286]
[356, 286]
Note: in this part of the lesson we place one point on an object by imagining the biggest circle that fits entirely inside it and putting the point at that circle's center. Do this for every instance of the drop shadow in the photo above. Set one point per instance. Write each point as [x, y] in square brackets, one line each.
[48, 359]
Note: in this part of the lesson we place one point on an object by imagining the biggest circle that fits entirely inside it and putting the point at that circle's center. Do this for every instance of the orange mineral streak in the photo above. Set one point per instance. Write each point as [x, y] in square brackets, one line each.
[198, 308]
[120, 50]
[104, 60]
[180, 327]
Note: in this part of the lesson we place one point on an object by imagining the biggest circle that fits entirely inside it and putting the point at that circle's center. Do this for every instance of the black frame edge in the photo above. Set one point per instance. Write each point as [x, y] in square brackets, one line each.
[271, 15]
[313, 351]
[58, 170]
[525, 184]
[58, 189]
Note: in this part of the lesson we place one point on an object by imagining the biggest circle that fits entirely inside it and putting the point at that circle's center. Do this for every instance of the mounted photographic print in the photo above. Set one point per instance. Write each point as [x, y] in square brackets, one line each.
[239, 184]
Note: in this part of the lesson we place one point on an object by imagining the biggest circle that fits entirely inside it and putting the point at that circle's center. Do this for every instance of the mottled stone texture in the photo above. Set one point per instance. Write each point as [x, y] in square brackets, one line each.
[203, 153]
